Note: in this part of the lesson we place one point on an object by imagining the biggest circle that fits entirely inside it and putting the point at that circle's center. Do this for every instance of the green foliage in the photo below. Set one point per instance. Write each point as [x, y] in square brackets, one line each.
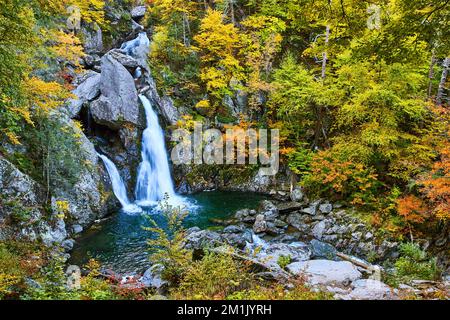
[55, 146]
[283, 261]
[414, 264]
[214, 276]
[300, 160]
[278, 292]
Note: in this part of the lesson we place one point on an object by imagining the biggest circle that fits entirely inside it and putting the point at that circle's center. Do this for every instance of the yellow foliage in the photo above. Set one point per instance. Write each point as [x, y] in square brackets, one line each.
[46, 96]
[68, 47]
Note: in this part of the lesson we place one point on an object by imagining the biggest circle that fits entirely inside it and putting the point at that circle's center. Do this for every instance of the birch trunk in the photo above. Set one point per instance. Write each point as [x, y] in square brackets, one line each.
[440, 94]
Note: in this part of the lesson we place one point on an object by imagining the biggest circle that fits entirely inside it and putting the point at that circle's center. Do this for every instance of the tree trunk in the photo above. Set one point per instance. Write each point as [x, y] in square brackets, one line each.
[232, 11]
[324, 54]
[441, 90]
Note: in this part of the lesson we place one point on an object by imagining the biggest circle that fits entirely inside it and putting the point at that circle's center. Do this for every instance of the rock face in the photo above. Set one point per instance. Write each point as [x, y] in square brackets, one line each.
[118, 103]
[326, 272]
[86, 202]
[22, 215]
[93, 39]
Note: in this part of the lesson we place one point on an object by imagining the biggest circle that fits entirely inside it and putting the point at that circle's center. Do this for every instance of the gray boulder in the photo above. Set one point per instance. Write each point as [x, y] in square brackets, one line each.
[312, 209]
[93, 39]
[118, 103]
[22, 215]
[269, 210]
[124, 59]
[319, 230]
[326, 272]
[85, 201]
[169, 111]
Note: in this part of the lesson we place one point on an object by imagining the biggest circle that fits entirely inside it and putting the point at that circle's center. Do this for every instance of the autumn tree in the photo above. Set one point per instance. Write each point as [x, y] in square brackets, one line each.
[217, 43]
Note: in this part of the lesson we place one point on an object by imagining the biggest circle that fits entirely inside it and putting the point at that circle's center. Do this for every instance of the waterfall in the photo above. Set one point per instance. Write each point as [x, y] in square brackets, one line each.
[118, 186]
[154, 180]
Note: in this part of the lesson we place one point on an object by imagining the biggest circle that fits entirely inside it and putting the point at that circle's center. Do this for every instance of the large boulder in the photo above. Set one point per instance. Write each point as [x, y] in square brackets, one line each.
[326, 272]
[118, 103]
[87, 90]
[260, 224]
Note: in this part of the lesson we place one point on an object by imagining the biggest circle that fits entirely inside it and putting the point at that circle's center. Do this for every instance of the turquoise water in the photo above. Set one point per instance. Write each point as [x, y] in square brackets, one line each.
[120, 243]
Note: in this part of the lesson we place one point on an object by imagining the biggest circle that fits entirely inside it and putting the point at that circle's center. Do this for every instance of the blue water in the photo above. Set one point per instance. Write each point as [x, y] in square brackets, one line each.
[120, 243]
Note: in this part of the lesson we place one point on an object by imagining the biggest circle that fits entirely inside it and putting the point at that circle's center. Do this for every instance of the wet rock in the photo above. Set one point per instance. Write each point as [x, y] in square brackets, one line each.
[326, 272]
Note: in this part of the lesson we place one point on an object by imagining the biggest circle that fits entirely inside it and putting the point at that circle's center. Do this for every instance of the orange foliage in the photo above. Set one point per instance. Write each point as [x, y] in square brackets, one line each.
[344, 179]
[436, 186]
[412, 209]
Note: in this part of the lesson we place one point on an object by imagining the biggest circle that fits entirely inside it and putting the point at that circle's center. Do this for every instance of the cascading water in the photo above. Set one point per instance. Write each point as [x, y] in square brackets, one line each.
[154, 181]
[118, 186]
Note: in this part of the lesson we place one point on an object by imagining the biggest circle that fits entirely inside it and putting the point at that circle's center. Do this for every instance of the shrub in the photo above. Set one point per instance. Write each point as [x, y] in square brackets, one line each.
[213, 277]
[283, 261]
[341, 180]
[414, 264]
[278, 292]
[167, 247]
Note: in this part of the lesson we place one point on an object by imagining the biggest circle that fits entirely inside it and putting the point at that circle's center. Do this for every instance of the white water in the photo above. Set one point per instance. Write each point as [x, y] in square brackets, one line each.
[118, 186]
[154, 180]
[138, 48]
